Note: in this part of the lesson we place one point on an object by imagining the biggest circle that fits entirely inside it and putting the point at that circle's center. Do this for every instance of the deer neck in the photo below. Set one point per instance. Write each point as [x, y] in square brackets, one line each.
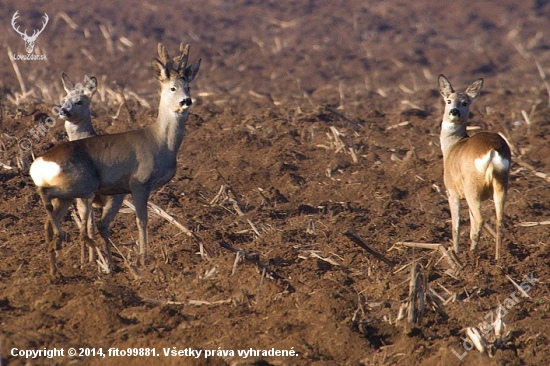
[81, 130]
[451, 134]
[170, 128]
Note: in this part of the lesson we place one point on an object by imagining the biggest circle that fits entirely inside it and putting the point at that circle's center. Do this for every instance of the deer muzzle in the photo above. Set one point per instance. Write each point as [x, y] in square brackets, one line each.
[64, 113]
[186, 102]
[455, 112]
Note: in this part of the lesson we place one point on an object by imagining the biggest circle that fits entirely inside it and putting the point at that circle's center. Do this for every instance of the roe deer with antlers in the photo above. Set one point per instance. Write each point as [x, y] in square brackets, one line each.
[135, 162]
[75, 111]
[475, 167]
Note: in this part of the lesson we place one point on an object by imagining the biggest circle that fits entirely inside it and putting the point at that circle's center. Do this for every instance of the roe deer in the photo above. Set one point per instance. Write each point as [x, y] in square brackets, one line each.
[135, 162]
[75, 110]
[476, 167]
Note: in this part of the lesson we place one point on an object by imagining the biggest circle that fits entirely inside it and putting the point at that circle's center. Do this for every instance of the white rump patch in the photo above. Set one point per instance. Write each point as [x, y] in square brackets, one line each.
[44, 172]
[499, 163]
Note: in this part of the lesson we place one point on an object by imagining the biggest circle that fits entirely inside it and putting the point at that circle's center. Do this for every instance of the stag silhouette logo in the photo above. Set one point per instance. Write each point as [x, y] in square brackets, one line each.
[29, 40]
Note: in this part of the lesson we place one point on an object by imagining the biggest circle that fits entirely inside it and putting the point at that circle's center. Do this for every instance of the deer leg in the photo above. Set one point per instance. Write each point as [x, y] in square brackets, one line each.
[84, 207]
[48, 233]
[90, 225]
[54, 233]
[476, 220]
[499, 196]
[140, 197]
[454, 205]
[48, 229]
[110, 209]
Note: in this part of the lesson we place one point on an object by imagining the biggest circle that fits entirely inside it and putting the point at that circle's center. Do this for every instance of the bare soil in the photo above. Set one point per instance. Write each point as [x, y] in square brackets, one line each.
[317, 118]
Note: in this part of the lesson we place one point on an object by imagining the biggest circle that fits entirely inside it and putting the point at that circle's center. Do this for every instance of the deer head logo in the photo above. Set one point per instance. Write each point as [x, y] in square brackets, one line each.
[29, 40]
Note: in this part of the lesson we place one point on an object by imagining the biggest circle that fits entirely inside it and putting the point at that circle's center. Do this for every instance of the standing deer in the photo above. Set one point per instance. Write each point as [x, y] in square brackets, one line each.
[134, 162]
[476, 167]
[75, 110]
[29, 40]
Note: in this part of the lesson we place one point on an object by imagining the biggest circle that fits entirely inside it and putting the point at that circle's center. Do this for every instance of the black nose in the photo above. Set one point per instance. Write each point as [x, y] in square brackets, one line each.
[455, 112]
[186, 101]
[65, 113]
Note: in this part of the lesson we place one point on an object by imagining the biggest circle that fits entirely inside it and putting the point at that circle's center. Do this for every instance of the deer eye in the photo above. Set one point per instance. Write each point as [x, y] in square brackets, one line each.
[173, 88]
[448, 101]
[464, 104]
[79, 102]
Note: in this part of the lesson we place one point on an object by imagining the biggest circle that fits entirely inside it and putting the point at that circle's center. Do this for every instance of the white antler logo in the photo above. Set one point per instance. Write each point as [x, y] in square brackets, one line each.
[29, 40]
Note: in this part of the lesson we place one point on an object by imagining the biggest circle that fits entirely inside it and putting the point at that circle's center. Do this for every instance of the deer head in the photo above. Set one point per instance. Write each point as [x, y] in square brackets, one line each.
[29, 40]
[175, 76]
[75, 107]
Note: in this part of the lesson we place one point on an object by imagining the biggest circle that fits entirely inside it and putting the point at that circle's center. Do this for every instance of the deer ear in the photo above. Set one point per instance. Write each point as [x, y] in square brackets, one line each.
[90, 87]
[474, 89]
[445, 87]
[192, 71]
[68, 84]
[160, 71]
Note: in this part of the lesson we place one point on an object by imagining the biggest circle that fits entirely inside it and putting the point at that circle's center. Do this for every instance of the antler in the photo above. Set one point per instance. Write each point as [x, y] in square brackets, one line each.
[36, 31]
[164, 58]
[24, 34]
[15, 16]
[181, 60]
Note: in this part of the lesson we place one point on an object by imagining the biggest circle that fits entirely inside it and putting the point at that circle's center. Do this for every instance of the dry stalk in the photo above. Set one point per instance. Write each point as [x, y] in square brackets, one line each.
[102, 263]
[251, 258]
[313, 253]
[188, 302]
[68, 20]
[159, 211]
[89, 56]
[532, 169]
[507, 136]
[402, 312]
[338, 143]
[205, 251]
[350, 233]
[406, 123]
[437, 302]
[415, 310]
[521, 290]
[201, 302]
[533, 223]
[125, 41]
[133, 269]
[310, 227]
[222, 198]
[341, 92]
[452, 259]
[239, 255]
[17, 72]
[285, 24]
[108, 38]
[139, 99]
[433, 246]
[544, 78]
[406, 89]
[211, 272]
[254, 227]
[7, 167]
[355, 124]
[527, 121]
